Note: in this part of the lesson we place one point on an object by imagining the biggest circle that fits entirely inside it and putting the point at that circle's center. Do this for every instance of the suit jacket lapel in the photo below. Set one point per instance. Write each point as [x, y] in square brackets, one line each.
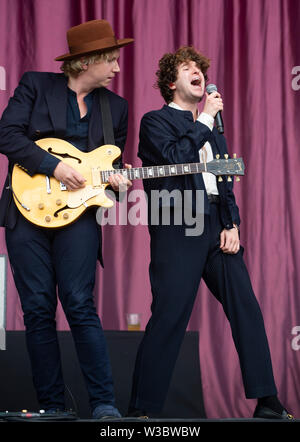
[57, 103]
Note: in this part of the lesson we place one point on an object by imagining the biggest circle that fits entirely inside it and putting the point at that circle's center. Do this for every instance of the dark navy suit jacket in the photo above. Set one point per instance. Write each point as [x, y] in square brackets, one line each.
[38, 109]
[170, 136]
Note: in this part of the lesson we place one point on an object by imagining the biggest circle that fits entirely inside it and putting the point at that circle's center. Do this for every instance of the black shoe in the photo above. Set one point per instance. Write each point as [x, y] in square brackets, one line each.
[267, 413]
[106, 411]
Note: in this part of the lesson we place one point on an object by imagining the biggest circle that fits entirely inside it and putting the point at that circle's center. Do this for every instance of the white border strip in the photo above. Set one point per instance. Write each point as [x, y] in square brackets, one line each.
[2, 301]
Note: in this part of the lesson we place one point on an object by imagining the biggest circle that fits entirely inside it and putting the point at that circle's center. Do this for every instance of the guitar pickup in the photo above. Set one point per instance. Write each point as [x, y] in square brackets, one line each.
[62, 186]
[96, 177]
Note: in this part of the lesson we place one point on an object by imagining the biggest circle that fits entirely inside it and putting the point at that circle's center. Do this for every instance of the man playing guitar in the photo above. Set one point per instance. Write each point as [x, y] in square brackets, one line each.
[66, 106]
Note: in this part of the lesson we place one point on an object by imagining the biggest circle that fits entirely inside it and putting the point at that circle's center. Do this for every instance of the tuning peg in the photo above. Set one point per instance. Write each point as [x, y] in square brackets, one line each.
[220, 179]
[229, 179]
[237, 179]
[234, 155]
[217, 156]
[226, 156]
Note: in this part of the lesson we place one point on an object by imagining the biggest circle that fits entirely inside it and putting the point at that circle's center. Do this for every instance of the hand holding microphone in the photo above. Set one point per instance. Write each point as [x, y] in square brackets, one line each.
[214, 106]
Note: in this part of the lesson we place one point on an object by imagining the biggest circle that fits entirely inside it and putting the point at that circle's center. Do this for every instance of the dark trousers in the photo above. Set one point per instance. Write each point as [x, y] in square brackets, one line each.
[45, 262]
[177, 264]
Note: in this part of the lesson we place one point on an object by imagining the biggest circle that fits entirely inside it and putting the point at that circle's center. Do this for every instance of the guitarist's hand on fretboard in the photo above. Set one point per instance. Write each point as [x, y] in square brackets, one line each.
[72, 179]
[118, 182]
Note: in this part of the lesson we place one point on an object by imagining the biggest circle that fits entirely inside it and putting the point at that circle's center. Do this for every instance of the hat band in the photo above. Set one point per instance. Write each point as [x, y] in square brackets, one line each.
[94, 45]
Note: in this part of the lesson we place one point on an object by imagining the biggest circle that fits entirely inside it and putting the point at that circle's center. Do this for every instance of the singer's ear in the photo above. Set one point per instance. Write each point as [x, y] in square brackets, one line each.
[172, 86]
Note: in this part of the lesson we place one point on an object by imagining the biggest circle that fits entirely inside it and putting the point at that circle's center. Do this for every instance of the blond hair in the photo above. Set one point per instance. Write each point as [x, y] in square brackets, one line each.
[72, 68]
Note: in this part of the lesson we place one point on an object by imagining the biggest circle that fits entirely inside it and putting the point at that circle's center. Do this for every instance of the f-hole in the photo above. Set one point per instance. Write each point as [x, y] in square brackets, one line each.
[63, 155]
[60, 210]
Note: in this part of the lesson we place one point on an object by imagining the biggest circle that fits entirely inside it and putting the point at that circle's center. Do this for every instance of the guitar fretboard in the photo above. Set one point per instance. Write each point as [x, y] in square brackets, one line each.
[155, 171]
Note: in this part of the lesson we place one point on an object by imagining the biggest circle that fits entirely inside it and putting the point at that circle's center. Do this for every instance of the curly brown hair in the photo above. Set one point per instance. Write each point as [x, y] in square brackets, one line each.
[168, 68]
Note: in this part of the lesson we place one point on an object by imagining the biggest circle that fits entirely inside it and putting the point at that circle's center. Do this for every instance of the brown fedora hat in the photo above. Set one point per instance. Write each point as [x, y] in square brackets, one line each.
[92, 36]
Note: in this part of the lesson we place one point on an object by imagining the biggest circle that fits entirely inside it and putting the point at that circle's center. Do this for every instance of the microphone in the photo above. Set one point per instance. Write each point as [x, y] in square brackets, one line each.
[218, 118]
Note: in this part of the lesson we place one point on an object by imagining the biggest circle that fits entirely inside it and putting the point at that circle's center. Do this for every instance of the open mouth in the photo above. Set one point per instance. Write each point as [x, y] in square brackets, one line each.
[196, 82]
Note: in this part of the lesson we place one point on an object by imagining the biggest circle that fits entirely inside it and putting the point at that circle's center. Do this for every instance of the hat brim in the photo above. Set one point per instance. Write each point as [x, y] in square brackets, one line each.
[120, 44]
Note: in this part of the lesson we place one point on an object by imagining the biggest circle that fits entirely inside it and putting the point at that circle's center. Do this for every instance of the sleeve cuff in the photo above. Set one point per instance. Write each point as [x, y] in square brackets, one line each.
[206, 119]
[48, 165]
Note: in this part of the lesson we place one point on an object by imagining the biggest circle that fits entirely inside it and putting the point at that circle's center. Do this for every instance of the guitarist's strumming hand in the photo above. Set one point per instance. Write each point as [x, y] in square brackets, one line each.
[72, 179]
[120, 183]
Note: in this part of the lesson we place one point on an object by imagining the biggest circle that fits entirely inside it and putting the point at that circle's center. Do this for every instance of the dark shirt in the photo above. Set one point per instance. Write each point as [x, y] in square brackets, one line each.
[76, 130]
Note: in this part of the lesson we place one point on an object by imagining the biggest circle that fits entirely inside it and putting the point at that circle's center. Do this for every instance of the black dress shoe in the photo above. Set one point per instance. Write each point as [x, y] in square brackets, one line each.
[267, 413]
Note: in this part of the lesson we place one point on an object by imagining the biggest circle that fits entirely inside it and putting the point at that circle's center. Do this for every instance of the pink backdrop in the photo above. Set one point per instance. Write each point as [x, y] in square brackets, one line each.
[253, 45]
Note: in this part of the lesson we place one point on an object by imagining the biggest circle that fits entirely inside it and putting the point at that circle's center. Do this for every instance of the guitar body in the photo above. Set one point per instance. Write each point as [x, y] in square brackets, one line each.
[46, 203]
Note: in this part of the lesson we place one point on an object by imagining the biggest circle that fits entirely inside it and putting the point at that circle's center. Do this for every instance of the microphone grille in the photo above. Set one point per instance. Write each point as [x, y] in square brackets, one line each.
[211, 88]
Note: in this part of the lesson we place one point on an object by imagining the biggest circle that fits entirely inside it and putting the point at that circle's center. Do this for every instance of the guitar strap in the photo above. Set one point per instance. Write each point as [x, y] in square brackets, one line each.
[108, 130]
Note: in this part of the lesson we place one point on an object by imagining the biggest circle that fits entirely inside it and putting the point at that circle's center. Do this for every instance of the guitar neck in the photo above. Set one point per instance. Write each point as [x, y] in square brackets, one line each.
[136, 173]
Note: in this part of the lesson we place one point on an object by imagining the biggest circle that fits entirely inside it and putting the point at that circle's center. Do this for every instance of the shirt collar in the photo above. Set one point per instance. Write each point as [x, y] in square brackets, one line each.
[176, 106]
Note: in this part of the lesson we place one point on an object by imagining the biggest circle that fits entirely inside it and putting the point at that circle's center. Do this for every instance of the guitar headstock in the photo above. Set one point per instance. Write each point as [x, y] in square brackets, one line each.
[227, 166]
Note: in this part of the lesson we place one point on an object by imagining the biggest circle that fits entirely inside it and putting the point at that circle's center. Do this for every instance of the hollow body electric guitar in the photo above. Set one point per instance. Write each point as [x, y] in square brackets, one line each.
[46, 202]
